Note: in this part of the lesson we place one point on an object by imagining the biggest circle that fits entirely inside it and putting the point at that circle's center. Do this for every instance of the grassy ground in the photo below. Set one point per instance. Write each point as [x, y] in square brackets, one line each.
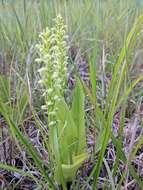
[105, 52]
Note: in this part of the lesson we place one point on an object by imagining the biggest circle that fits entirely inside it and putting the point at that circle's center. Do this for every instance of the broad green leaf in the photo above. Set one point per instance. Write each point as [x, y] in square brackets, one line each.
[78, 115]
[67, 132]
[70, 170]
[58, 167]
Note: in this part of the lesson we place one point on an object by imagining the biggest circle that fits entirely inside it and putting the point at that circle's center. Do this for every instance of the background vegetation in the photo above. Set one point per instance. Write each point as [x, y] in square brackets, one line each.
[105, 53]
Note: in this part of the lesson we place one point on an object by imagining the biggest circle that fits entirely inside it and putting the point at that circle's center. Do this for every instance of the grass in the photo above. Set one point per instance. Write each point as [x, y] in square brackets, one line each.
[106, 35]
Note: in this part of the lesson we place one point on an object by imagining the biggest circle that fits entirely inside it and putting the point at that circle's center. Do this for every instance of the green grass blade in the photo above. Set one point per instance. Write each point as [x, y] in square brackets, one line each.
[18, 135]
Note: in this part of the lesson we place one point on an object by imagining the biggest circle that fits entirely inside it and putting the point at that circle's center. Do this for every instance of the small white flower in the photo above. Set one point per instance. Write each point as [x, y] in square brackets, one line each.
[52, 123]
[56, 97]
[38, 60]
[41, 81]
[49, 103]
[44, 107]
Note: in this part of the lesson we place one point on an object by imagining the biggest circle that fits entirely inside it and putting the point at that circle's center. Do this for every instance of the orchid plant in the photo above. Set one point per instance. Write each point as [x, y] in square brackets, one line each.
[67, 136]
